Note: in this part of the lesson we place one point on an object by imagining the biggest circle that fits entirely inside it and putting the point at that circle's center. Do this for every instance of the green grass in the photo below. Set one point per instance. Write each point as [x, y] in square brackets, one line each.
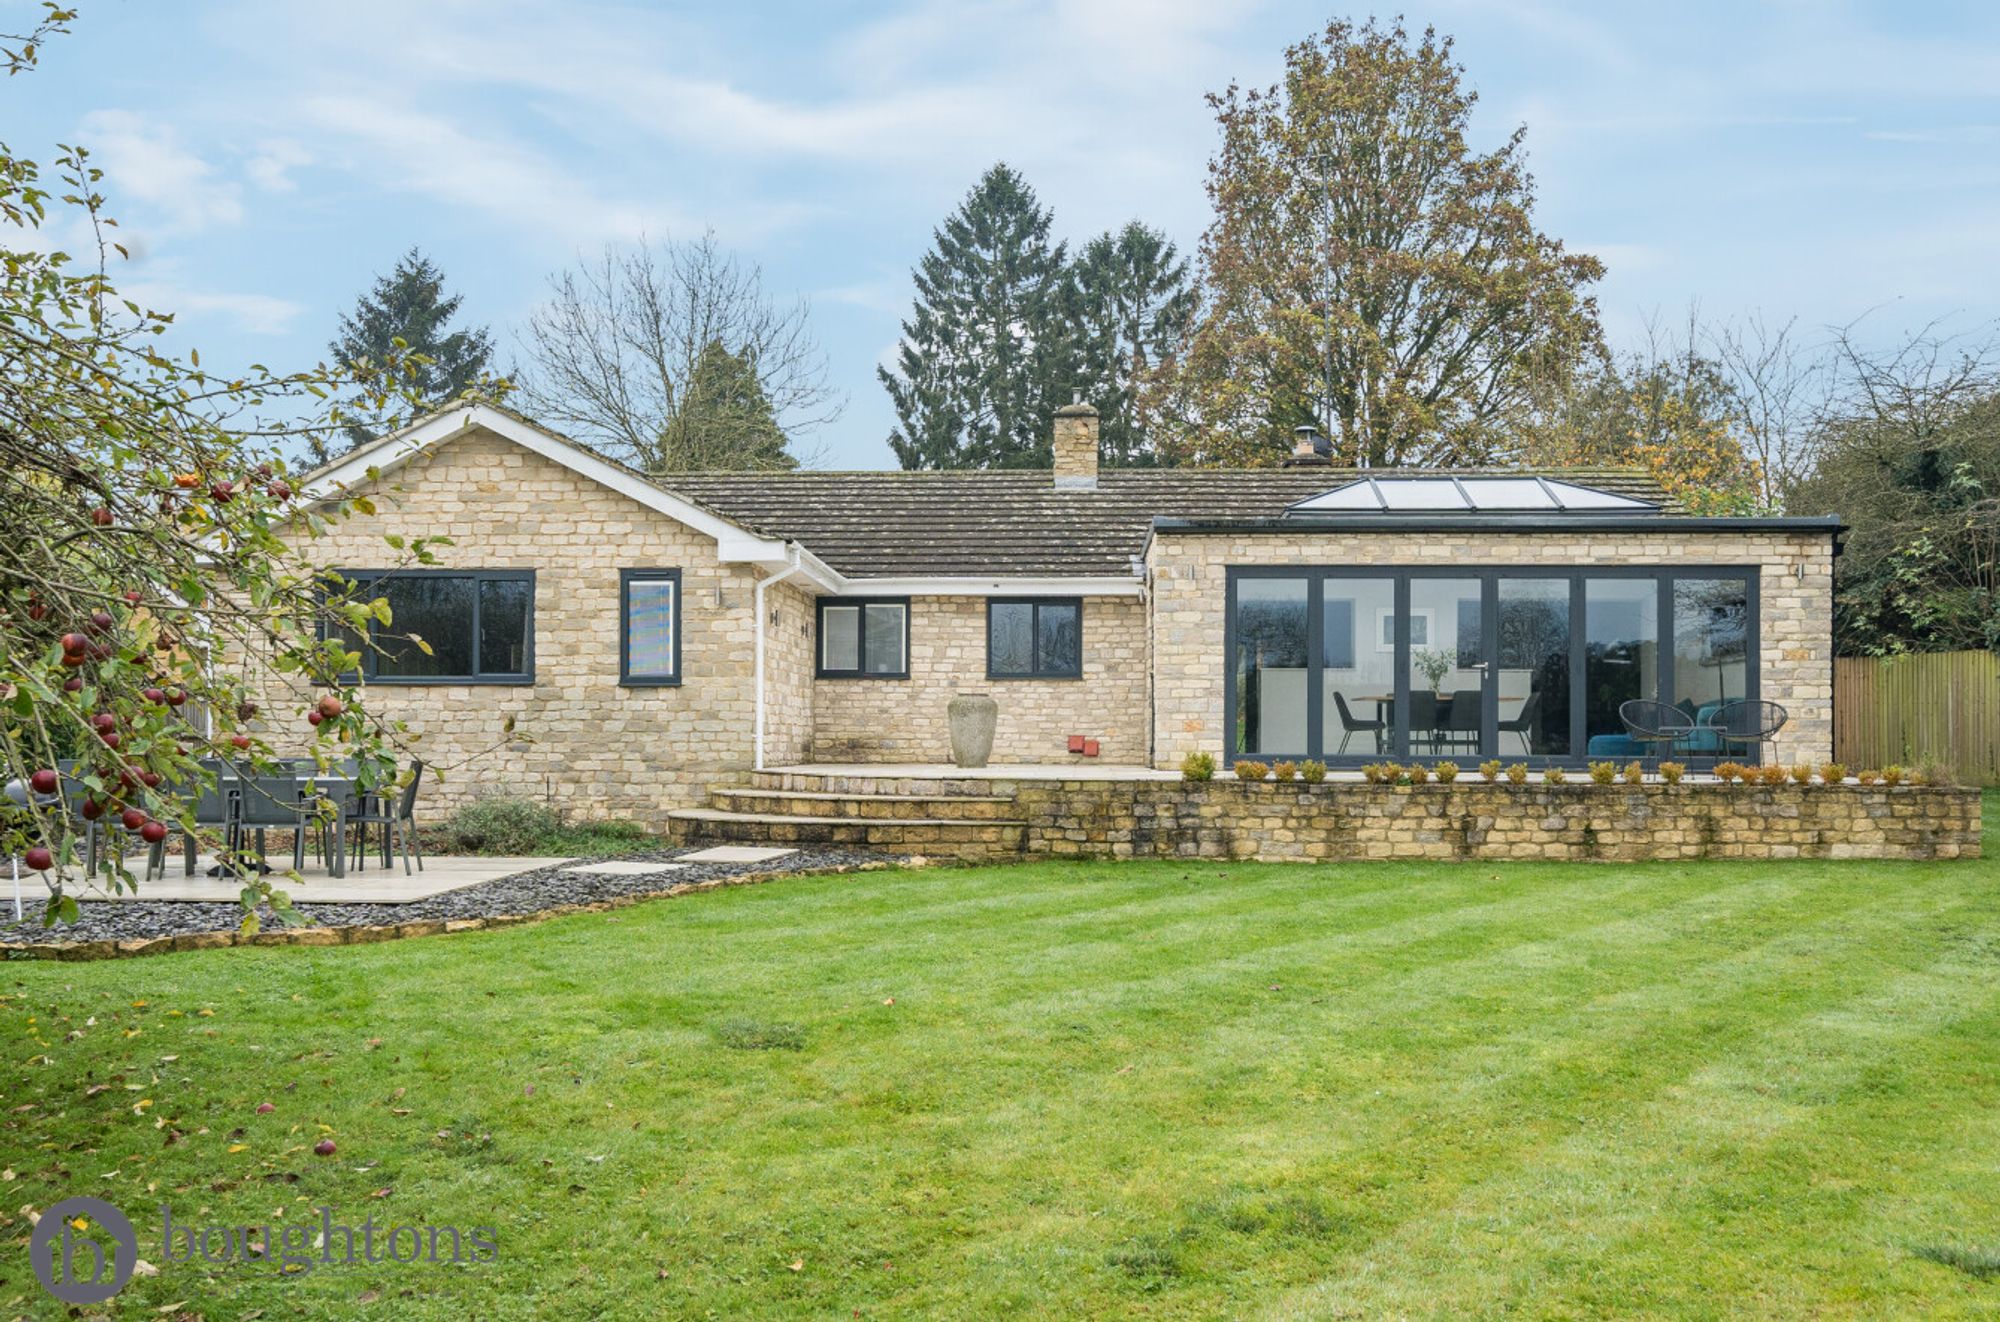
[1186, 1091]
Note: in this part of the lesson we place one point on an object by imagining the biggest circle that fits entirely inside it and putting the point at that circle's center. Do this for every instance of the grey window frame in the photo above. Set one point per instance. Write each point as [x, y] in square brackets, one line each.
[1035, 636]
[626, 578]
[820, 670]
[1663, 576]
[525, 678]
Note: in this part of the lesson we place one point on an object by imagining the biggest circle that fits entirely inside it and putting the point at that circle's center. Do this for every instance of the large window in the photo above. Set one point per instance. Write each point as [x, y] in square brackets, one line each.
[864, 639]
[450, 627]
[1034, 638]
[649, 626]
[1358, 664]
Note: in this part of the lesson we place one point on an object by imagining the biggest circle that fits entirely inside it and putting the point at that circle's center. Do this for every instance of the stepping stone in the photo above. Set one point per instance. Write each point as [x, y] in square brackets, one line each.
[618, 869]
[736, 854]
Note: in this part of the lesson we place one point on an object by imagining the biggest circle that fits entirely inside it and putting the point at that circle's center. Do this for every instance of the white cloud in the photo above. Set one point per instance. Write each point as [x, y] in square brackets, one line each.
[254, 314]
[271, 168]
[143, 160]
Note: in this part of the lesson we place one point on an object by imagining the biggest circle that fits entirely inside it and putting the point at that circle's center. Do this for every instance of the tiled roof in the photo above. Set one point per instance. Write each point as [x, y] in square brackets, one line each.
[1015, 522]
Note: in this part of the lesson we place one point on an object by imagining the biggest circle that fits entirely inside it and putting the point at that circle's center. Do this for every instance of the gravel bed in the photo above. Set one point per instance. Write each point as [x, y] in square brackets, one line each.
[522, 893]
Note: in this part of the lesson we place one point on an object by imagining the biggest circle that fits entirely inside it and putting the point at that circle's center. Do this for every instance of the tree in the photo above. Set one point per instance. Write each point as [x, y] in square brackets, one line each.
[1780, 390]
[144, 559]
[1368, 271]
[1134, 307]
[625, 353]
[727, 420]
[1909, 457]
[987, 354]
[406, 318]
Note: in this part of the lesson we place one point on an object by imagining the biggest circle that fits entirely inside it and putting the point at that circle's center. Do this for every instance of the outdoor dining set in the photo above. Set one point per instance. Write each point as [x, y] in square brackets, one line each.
[1448, 723]
[324, 809]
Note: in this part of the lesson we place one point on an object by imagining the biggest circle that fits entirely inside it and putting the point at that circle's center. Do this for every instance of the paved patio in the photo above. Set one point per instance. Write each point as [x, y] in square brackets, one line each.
[372, 886]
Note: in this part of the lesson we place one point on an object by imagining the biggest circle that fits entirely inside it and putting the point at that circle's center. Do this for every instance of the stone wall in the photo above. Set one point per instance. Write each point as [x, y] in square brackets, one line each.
[891, 720]
[1350, 820]
[581, 740]
[1188, 583]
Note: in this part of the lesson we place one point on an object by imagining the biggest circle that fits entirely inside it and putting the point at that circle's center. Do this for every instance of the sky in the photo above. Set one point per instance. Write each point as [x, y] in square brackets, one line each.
[1823, 161]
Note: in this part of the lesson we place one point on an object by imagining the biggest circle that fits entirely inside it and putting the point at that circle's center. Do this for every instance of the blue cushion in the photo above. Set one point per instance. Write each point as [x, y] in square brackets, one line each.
[1616, 745]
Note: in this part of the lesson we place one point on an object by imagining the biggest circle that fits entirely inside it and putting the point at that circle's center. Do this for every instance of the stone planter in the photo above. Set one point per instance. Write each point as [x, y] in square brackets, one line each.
[971, 717]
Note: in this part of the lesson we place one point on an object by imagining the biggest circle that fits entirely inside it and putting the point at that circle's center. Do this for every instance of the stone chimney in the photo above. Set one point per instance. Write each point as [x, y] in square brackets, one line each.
[1076, 447]
[1309, 449]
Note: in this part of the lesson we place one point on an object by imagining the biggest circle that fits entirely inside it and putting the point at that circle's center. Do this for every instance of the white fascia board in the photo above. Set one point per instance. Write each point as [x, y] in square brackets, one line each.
[733, 543]
[953, 586]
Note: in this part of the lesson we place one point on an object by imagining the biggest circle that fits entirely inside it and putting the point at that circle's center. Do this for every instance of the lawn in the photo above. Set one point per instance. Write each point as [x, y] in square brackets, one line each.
[1393, 1089]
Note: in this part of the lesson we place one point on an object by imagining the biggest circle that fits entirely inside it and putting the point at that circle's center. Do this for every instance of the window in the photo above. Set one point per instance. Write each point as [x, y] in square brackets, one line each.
[649, 630]
[475, 626]
[864, 639]
[1036, 638]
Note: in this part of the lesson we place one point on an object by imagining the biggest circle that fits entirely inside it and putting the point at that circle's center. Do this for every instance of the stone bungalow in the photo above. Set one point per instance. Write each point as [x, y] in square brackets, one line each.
[651, 638]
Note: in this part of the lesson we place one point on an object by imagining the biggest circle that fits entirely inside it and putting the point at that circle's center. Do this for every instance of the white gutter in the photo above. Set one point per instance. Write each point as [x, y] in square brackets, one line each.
[797, 563]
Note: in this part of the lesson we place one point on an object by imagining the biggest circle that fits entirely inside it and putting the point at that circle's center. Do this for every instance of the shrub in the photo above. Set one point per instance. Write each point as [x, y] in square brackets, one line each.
[1773, 774]
[1832, 773]
[1446, 772]
[1555, 776]
[1892, 775]
[1284, 770]
[1414, 774]
[1671, 772]
[1802, 774]
[498, 824]
[1490, 770]
[1604, 772]
[1198, 766]
[1930, 772]
[1868, 776]
[1517, 773]
[1313, 772]
[1634, 774]
[1249, 770]
[1728, 771]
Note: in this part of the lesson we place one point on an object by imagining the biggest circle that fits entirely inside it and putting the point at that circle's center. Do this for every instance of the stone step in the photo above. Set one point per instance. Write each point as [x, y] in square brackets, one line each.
[967, 840]
[903, 785]
[820, 803]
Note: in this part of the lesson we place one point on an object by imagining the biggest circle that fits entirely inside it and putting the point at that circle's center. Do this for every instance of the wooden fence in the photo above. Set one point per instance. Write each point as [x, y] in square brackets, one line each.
[1941, 707]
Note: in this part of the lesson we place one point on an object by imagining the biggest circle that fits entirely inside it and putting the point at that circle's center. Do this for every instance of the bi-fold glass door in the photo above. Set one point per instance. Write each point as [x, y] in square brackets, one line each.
[1355, 665]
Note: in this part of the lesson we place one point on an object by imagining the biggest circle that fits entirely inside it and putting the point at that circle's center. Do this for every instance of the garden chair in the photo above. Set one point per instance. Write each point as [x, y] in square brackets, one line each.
[1460, 727]
[263, 802]
[1522, 723]
[395, 813]
[1351, 725]
[1423, 718]
[1748, 721]
[1656, 722]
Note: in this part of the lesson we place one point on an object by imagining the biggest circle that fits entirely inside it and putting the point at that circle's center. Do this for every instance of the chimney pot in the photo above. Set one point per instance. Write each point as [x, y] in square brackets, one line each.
[1076, 447]
[1308, 449]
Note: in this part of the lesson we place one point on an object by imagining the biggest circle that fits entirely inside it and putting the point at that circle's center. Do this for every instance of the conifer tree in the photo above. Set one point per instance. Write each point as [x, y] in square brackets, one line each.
[987, 355]
[410, 304]
[1134, 308]
[725, 420]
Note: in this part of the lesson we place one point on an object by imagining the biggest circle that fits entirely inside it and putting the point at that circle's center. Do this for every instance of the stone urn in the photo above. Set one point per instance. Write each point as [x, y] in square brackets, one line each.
[971, 717]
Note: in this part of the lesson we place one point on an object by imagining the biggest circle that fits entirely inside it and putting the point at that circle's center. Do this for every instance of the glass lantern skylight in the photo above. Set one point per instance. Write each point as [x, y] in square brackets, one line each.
[1469, 495]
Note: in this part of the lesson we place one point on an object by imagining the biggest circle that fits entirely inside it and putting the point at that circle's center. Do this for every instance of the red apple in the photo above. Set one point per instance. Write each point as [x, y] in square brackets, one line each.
[74, 684]
[91, 810]
[265, 1108]
[153, 832]
[38, 610]
[150, 779]
[279, 491]
[157, 697]
[101, 517]
[134, 818]
[222, 492]
[134, 596]
[314, 718]
[324, 1147]
[104, 720]
[176, 697]
[74, 643]
[240, 740]
[45, 781]
[101, 621]
[111, 738]
[330, 707]
[39, 858]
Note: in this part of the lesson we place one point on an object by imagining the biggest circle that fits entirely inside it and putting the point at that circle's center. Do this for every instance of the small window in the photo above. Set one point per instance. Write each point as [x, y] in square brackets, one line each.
[864, 639]
[1037, 638]
[649, 612]
[449, 627]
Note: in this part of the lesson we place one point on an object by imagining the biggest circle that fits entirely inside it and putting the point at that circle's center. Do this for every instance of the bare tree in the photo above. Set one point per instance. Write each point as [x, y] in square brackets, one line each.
[1781, 390]
[672, 357]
